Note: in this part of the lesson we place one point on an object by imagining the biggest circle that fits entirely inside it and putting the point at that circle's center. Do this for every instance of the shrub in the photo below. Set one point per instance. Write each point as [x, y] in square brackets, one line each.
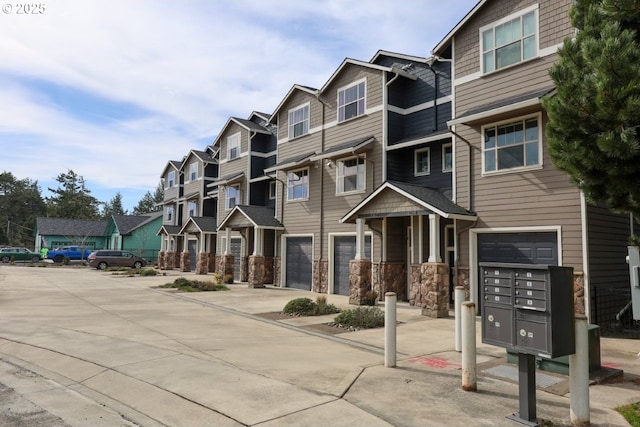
[66, 260]
[361, 318]
[148, 272]
[185, 285]
[370, 298]
[300, 307]
[322, 307]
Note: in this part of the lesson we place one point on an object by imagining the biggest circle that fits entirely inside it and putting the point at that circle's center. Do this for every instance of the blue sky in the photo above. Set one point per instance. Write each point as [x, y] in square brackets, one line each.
[115, 89]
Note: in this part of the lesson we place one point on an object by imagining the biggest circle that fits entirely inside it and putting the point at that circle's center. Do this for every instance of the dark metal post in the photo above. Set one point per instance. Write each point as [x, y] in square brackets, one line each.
[527, 390]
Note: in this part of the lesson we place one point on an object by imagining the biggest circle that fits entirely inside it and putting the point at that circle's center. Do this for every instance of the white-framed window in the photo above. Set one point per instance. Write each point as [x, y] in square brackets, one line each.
[422, 161]
[169, 213]
[171, 179]
[272, 190]
[233, 146]
[351, 101]
[232, 197]
[298, 184]
[192, 208]
[509, 41]
[512, 145]
[447, 157]
[193, 171]
[351, 175]
[299, 121]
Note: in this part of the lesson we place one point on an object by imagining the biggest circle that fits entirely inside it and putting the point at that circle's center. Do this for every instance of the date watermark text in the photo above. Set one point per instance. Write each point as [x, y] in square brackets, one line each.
[23, 8]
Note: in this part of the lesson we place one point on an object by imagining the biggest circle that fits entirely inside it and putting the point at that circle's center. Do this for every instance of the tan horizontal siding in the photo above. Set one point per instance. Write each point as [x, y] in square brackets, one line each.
[350, 74]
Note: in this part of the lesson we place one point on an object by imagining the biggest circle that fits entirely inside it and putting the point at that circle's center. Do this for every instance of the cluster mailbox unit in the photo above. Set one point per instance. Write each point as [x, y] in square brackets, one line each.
[528, 309]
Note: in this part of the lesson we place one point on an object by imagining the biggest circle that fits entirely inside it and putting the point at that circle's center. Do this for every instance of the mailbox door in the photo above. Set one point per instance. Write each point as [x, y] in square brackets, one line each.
[533, 335]
[497, 325]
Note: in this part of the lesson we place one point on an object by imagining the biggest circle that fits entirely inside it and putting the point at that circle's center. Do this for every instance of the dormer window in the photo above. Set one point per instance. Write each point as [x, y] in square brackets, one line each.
[299, 121]
[233, 146]
[351, 101]
[509, 41]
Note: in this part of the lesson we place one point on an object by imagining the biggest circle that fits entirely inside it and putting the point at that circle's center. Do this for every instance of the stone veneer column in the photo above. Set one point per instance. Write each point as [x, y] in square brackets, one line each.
[268, 270]
[462, 279]
[211, 263]
[320, 275]
[161, 265]
[393, 279]
[226, 268]
[170, 260]
[435, 289]
[277, 277]
[415, 285]
[185, 261]
[202, 263]
[359, 280]
[578, 292]
[244, 271]
[256, 271]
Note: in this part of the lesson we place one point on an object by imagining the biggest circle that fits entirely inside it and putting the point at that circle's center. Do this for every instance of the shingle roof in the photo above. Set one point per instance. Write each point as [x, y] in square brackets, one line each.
[251, 125]
[291, 162]
[338, 150]
[206, 224]
[171, 230]
[70, 227]
[127, 223]
[432, 197]
[259, 216]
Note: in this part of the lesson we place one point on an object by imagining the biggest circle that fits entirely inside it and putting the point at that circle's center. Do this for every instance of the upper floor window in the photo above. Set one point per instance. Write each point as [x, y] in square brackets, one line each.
[299, 121]
[422, 161]
[447, 158]
[272, 190]
[298, 184]
[193, 171]
[233, 146]
[232, 196]
[192, 208]
[509, 41]
[351, 175]
[512, 145]
[351, 101]
[169, 212]
[171, 179]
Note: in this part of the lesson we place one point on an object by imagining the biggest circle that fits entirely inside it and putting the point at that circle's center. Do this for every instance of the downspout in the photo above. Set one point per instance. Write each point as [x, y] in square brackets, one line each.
[252, 133]
[321, 168]
[385, 122]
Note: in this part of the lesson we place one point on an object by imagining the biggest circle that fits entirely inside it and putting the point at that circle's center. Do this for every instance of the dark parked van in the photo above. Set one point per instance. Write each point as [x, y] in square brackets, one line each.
[110, 258]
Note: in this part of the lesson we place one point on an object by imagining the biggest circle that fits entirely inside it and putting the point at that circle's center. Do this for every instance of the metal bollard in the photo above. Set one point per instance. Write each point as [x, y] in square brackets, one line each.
[579, 375]
[458, 300]
[469, 347]
[390, 299]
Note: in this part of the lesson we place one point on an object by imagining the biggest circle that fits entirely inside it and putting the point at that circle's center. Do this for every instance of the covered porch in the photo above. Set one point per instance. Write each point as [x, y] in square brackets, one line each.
[171, 244]
[200, 251]
[417, 225]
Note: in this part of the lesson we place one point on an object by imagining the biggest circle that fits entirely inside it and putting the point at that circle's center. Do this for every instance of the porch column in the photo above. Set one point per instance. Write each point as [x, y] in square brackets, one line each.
[185, 261]
[360, 239]
[258, 241]
[434, 238]
[384, 239]
[227, 241]
[202, 260]
[420, 240]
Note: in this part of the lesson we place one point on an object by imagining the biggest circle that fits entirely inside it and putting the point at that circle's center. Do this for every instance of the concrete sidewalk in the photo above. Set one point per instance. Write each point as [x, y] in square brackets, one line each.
[171, 367]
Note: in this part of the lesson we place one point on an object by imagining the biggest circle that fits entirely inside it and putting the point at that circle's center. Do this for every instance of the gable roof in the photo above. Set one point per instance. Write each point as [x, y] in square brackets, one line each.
[255, 216]
[244, 123]
[176, 164]
[349, 61]
[443, 43]
[203, 156]
[70, 227]
[169, 230]
[427, 198]
[381, 52]
[295, 87]
[128, 223]
[203, 224]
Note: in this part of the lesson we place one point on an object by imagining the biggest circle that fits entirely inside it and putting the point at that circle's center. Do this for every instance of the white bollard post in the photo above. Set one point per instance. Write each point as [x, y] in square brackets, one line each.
[390, 299]
[458, 300]
[469, 347]
[579, 375]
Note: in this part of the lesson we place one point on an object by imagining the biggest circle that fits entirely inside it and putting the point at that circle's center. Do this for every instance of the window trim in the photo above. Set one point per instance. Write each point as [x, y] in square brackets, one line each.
[195, 208]
[298, 199]
[306, 105]
[273, 190]
[364, 98]
[169, 213]
[519, 14]
[417, 151]
[444, 163]
[191, 171]
[237, 135]
[524, 168]
[171, 181]
[226, 196]
[340, 178]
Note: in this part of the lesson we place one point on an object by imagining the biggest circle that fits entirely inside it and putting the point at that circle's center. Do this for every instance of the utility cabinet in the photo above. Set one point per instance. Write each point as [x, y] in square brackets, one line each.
[528, 308]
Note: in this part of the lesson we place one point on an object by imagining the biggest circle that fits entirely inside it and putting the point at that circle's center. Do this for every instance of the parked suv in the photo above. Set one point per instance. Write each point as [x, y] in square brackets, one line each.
[109, 258]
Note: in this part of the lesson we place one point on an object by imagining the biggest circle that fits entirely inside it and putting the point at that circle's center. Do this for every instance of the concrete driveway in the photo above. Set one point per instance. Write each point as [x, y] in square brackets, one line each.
[83, 347]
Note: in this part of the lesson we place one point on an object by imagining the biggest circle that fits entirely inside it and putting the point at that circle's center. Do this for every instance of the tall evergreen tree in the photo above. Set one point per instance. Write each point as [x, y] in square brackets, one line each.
[593, 131]
[113, 207]
[20, 204]
[150, 202]
[72, 199]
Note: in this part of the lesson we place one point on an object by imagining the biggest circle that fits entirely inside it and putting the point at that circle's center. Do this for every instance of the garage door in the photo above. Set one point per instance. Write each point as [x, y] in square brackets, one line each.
[344, 250]
[299, 266]
[524, 248]
[236, 251]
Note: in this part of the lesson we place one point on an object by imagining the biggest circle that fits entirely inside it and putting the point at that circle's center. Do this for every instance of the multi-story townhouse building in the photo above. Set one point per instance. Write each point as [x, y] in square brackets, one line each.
[246, 226]
[371, 147]
[528, 211]
[187, 229]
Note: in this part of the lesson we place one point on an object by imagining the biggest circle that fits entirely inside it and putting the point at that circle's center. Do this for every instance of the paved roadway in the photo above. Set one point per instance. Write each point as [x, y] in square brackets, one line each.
[80, 347]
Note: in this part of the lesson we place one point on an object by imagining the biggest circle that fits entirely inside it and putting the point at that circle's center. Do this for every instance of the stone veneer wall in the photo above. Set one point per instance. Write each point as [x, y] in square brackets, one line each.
[177, 256]
[277, 276]
[376, 285]
[202, 263]
[359, 280]
[256, 271]
[393, 279]
[185, 261]
[170, 260]
[226, 268]
[212, 262]
[268, 270]
[431, 292]
[161, 257]
[578, 292]
[462, 279]
[320, 276]
[244, 269]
